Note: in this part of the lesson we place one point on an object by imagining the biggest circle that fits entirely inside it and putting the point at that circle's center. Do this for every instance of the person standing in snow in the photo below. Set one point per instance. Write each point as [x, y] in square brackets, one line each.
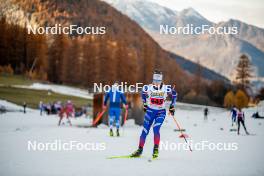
[41, 107]
[57, 107]
[67, 110]
[241, 119]
[206, 111]
[233, 114]
[116, 99]
[154, 96]
[24, 107]
[48, 108]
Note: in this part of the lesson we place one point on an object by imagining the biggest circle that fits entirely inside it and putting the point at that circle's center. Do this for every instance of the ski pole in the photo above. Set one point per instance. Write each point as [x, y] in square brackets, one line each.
[181, 132]
[125, 117]
[98, 117]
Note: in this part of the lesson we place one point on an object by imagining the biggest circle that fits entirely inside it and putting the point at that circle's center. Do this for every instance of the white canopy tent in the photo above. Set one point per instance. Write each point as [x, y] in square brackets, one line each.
[260, 108]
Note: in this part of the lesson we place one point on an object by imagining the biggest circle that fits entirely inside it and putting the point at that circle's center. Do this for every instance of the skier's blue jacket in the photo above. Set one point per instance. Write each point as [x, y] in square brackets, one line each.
[115, 97]
[234, 112]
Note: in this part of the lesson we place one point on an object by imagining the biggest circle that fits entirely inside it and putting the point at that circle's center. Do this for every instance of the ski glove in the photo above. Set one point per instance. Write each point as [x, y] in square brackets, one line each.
[172, 109]
[145, 107]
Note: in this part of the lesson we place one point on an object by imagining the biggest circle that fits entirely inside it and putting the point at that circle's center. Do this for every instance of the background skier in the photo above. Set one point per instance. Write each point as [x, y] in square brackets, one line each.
[24, 107]
[241, 119]
[206, 111]
[233, 115]
[116, 99]
[154, 96]
[41, 107]
[67, 109]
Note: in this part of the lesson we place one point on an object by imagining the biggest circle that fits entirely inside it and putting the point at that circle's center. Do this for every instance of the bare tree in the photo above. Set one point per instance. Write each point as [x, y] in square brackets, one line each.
[243, 72]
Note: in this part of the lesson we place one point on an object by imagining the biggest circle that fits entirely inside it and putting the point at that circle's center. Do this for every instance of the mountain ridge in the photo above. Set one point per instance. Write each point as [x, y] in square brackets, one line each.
[222, 49]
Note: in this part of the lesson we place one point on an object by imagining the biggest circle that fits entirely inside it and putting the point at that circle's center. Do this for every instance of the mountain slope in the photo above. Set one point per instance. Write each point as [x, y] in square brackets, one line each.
[249, 33]
[217, 52]
[193, 67]
[149, 15]
[190, 16]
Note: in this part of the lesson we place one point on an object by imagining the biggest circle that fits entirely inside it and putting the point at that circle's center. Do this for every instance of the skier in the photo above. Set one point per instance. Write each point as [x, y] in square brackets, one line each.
[68, 109]
[48, 108]
[233, 114]
[241, 119]
[58, 106]
[116, 99]
[41, 107]
[154, 96]
[206, 111]
[24, 107]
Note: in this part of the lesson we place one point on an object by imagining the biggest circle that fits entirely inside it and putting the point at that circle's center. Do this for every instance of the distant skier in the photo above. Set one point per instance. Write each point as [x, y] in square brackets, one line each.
[116, 99]
[154, 96]
[67, 110]
[241, 119]
[58, 106]
[24, 107]
[233, 115]
[48, 108]
[206, 111]
[41, 107]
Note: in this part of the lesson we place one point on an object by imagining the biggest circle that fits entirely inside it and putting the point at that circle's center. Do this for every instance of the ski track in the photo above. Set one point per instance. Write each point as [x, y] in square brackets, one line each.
[16, 129]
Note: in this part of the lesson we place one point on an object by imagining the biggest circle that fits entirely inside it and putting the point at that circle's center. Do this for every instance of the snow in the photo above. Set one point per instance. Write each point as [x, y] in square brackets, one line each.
[191, 13]
[11, 107]
[16, 129]
[146, 13]
[60, 89]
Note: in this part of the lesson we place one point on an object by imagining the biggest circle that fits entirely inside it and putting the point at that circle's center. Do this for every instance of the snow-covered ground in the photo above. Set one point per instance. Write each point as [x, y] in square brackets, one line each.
[16, 129]
[11, 106]
[59, 89]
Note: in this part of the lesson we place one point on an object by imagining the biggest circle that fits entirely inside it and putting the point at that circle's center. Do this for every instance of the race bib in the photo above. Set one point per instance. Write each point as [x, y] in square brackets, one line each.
[157, 101]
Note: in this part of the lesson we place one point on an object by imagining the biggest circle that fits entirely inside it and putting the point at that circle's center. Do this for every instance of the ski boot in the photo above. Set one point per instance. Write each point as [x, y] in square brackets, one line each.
[137, 153]
[117, 133]
[111, 133]
[155, 152]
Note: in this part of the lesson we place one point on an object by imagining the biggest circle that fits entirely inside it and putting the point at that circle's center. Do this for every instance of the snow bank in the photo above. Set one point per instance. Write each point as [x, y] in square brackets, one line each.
[11, 106]
[66, 90]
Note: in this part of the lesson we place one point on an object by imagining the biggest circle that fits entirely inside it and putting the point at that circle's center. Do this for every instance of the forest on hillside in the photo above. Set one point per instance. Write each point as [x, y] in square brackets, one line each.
[78, 59]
